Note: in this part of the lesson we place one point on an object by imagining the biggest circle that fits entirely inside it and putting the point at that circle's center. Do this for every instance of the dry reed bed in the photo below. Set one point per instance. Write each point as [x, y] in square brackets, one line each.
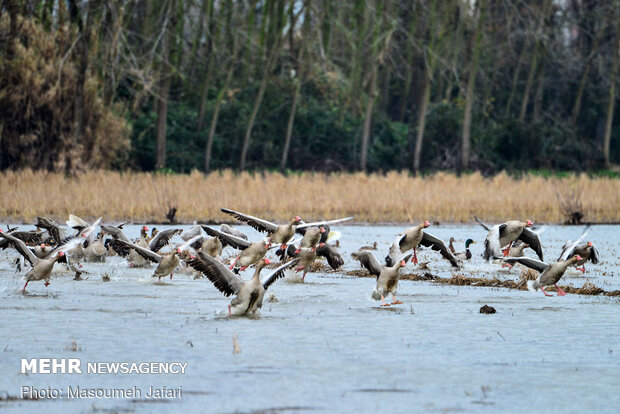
[391, 197]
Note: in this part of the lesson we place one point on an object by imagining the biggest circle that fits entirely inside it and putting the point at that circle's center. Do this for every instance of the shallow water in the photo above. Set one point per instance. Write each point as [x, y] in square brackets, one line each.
[325, 345]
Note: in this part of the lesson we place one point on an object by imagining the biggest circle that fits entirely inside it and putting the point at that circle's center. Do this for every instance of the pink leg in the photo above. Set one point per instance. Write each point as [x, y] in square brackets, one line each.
[170, 276]
[243, 268]
[415, 257]
[583, 269]
[24, 290]
[234, 263]
[560, 291]
[299, 268]
[508, 265]
[544, 291]
[283, 246]
[507, 250]
[383, 301]
[229, 312]
[47, 283]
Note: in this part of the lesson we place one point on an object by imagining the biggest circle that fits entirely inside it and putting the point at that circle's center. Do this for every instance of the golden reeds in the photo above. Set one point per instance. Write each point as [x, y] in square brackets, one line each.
[391, 197]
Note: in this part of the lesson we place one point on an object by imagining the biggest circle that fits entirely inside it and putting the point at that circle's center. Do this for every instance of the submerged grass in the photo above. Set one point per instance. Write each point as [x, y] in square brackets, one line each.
[588, 288]
[374, 198]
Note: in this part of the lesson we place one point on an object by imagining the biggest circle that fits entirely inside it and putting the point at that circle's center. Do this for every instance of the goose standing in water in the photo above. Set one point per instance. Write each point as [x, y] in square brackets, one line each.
[413, 237]
[279, 234]
[550, 273]
[41, 268]
[387, 276]
[506, 234]
[249, 295]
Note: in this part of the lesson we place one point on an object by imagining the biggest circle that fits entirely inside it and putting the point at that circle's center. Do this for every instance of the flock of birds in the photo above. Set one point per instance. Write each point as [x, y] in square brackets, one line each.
[297, 244]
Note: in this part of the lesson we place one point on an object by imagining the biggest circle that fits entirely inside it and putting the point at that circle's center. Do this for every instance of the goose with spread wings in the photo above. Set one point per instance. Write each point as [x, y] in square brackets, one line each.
[251, 252]
[41, 268]
[279, 234]
[411, 239]
[387, 276]
[166, 262]
[587, 251]
[502, 236]
[550, 273]
[249, 295]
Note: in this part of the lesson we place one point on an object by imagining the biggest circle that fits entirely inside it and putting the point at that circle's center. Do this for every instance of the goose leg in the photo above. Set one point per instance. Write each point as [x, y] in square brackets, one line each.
[560, 291]
[243, 268]
[507, 250]
[229, 311]
[508, 265]
[414, 260]
[383, 301]
[582, 268]
[24, 289]
[234, 263]
[544, 291]
[47, 283]
[170, 276]
[303, 276]
[395, 302]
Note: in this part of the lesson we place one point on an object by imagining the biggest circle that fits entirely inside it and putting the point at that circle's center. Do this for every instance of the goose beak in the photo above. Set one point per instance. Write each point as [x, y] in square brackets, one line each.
[589, 244]
[267, 261]
[578, 257]
[297, 219]
[402, 263]
[322, 229]
[529, 223]
[426, 223]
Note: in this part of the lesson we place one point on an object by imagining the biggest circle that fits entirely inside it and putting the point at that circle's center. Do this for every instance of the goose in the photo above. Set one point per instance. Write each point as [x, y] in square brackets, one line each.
[279, 234]
[306, 257]
[413, 237]
[251, 253]
[506, 234]
[587, 251]
[57, 233]
[225, 228]
[41, 268]
[94, 249]
[312, 237]
[249, 295]
[466, 255]
[387, 276]
[516, 250]
[166, 262]
[550, 273]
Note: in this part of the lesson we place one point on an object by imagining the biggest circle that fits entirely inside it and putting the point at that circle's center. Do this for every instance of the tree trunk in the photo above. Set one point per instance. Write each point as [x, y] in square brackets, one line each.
[469, 95]
[218, 105]
[164, 90]
[368, 116]
[289, 125]
[612, 98]
[257, 102]
[207, 79]
[417, 155]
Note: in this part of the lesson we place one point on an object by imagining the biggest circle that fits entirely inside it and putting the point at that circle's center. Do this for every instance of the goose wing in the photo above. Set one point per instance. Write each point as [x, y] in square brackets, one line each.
[227, 239]
[368, 261]
[225, 228]
[437, 244]
[278, 273]
[148, 254]
[334, 259]
[21, 247]
[569, 247]
[162, 239]
[191, 232]
[491, 243]
[530, 237]
[255, 222]
[528, 262]
[483, 224]
[194, 241]
[224, 280]
[115, 231]
[322, 223]
[594, 255]
[58, 233]
[394, 252]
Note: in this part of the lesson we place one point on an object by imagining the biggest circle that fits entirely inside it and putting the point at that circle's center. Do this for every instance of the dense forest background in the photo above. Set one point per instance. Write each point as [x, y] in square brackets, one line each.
[323, 85]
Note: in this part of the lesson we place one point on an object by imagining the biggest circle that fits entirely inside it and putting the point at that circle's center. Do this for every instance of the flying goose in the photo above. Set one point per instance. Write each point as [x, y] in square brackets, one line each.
[41, 268]
[249, 295]
[550, 273]
[413, 237]
[279, 234]
[506, 234]
[387, 276]
[251, 253]
[587, 251]
[166, 262]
